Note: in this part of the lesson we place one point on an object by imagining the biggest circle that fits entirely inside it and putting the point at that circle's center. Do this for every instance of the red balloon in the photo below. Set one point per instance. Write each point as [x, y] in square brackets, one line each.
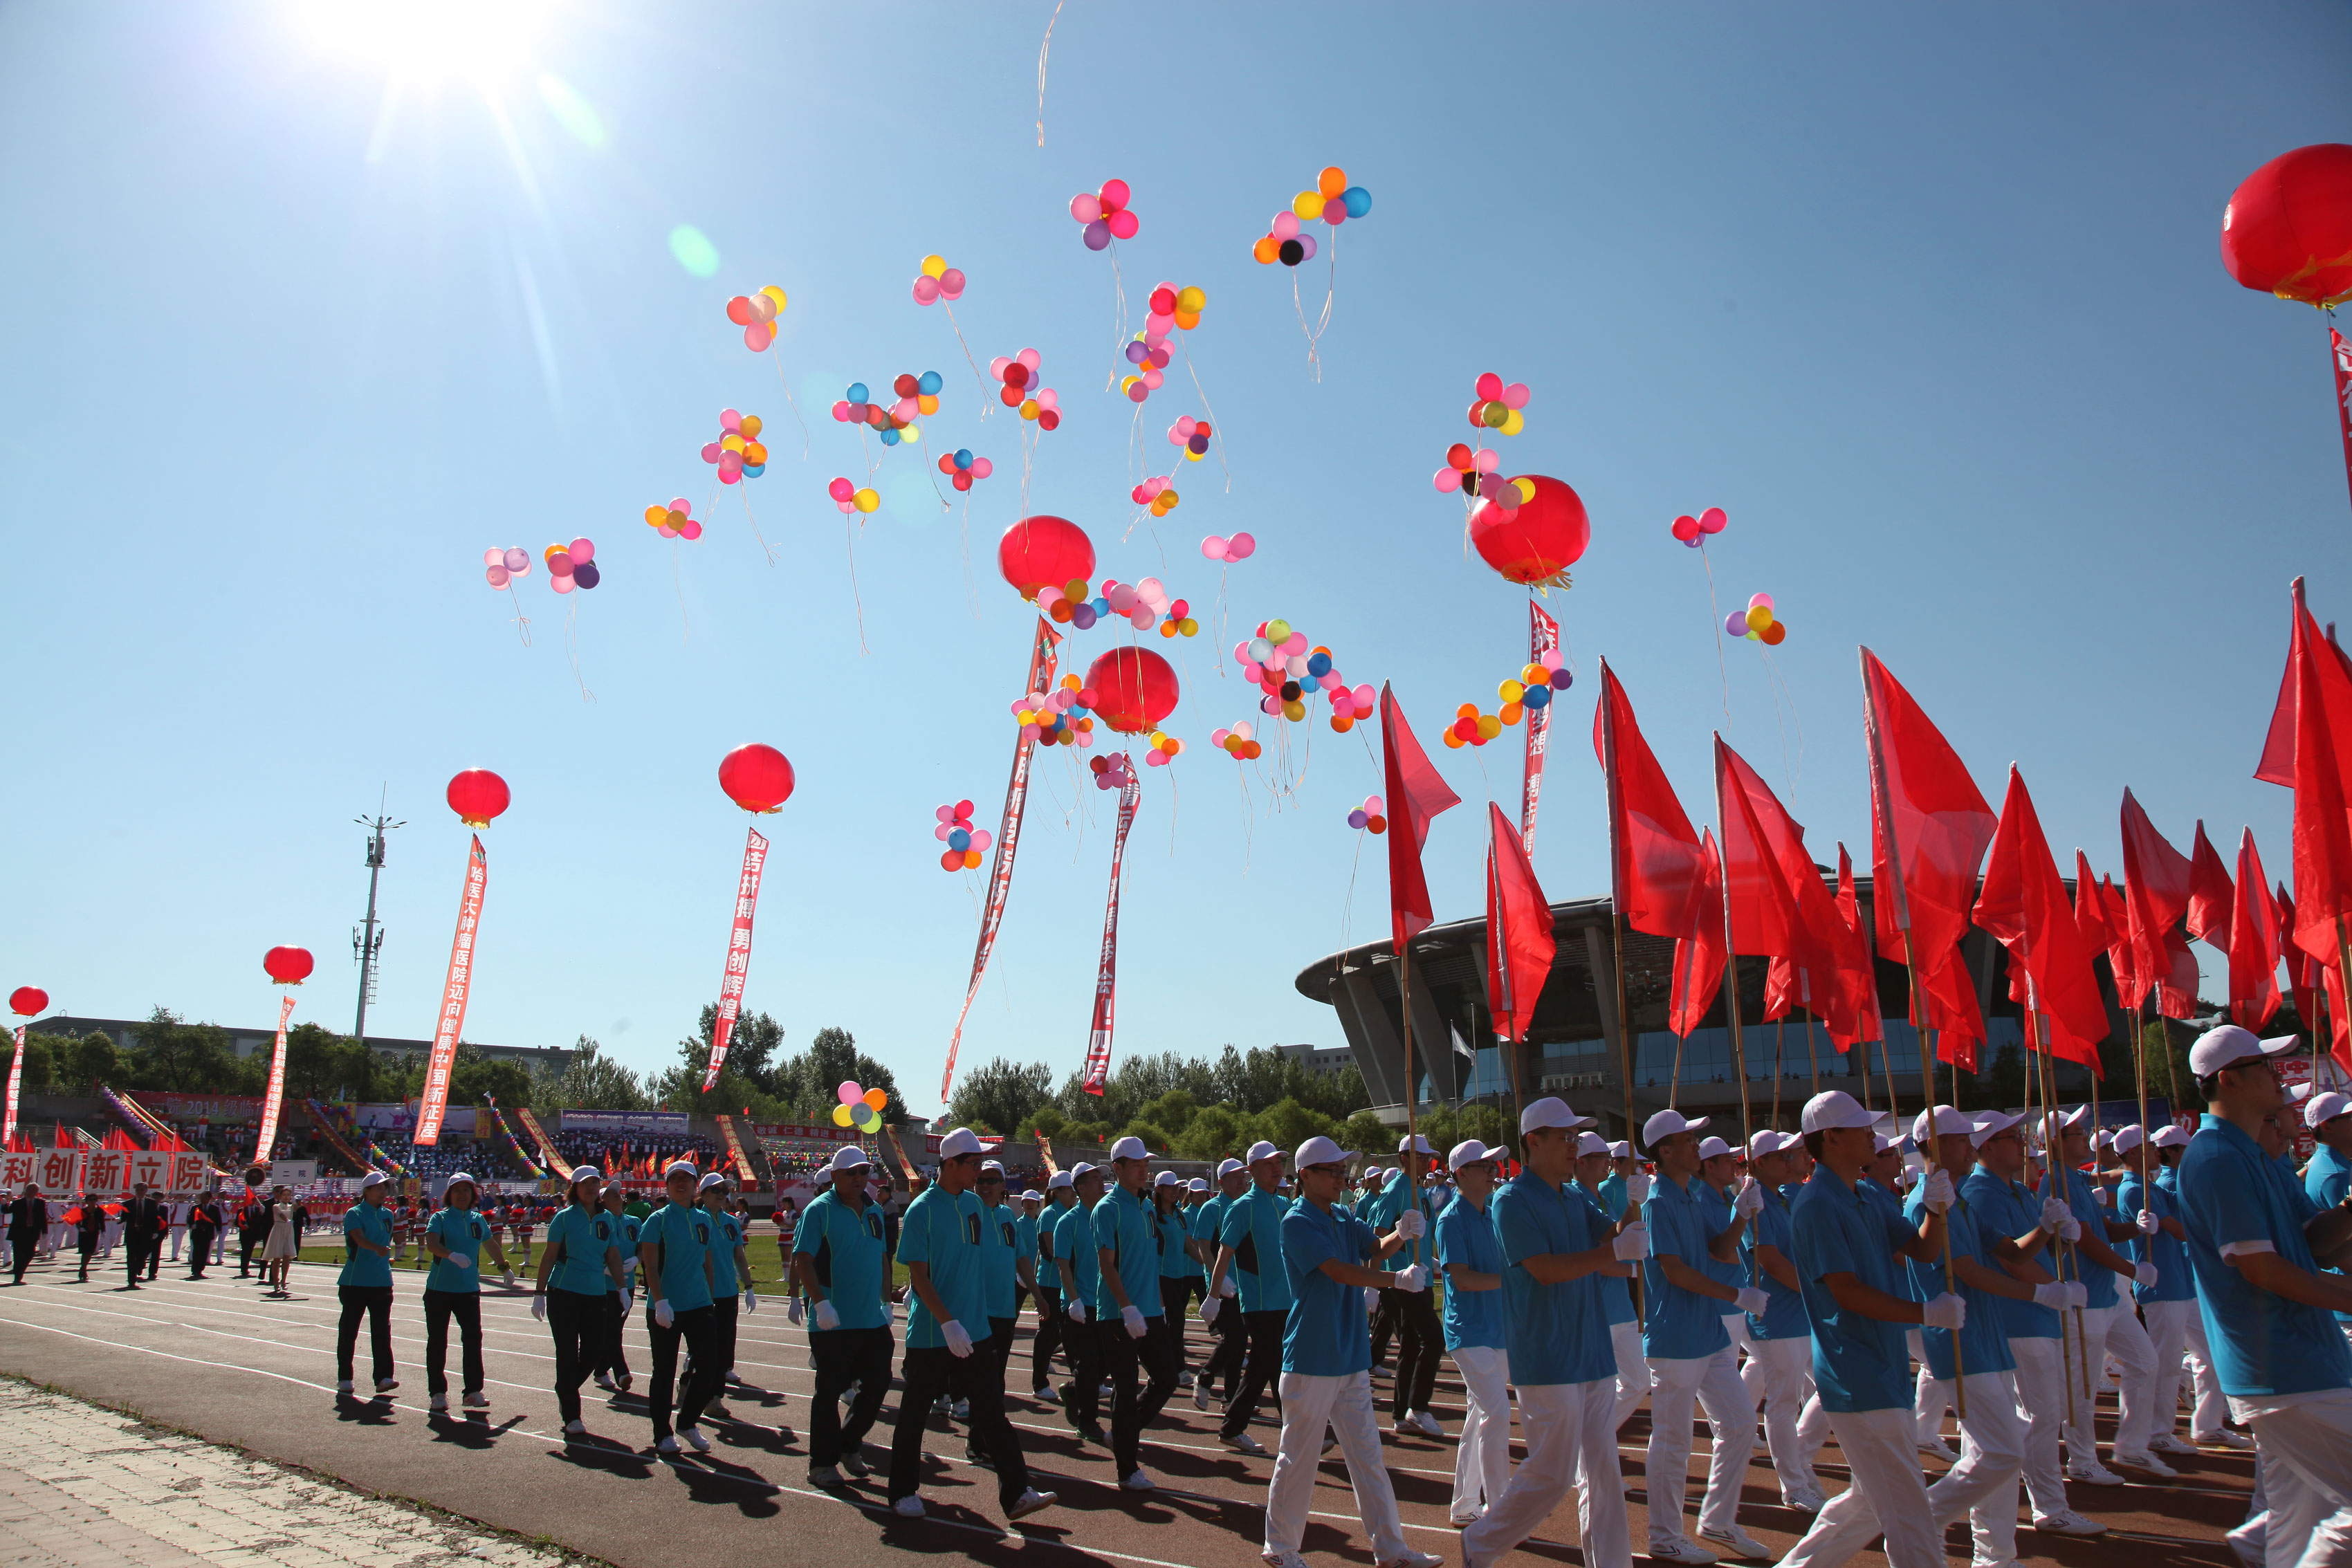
[1134, 688]
[476, 795]
[287, 965]
[28, 1000]
[1537, 544]
[1044, 551]
[756, 777]
[2288, 229]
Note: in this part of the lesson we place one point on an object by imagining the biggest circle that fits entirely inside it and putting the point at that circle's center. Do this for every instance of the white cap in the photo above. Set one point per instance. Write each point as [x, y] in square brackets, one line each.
[1468, 1152]
[1032, 1195]
[1946, 1121]
[2226, 1045]
[1552, 1110]
[1885, 1142]
[374, 1178]
[1261, 1150]
[1591, 1143]
[850, 1158]
[1987, 1125]
[988, 1166]
[1129, 1149]
[676, 1167]
[1317, 1151]
[1711, 1146]
[2297, 1093]
[1229, 1168]
[2127, 1139]
[2102, 1139]
[1835, 1108]
[962, 1141]
[1198, 1184]
[714, 1179]
[582, 1173]
[2325, 1108]
[460, 1176]
[1415, 1144]
[1622, 1149]
[1167, 1178]
[1374, 1177]
[1665, 1124]
[2171, 1137]
[1771, 1141]
[1058, 1180]
[1084, 1169]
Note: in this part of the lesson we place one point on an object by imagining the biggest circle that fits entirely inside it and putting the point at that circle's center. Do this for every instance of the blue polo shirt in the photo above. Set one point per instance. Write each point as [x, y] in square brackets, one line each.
[1860, 1362]
[363, 1270]
[2324, 1181]
[1616, 1290]
[1784, 1311]
[1983, 1346]
[2011, 1208]
[1326, 1334]
[1553, 1333]
[1383, 1213]
[585, 1236]
[1074, 1243]
[1197, 1215]
[2262, 1345]
[462, 1231]
[1612, 1198]
[844, 1249]
[1024, 1240]
[943, 1229]
[1000, 1251]
[685, 1236]
[2173, 1283]
[726, 1235]
[1127, 1226]
[1175, 1229]
[1684, 1325]
[1465, 1239]
[1716, 1207]
[624, 1236]
[1208, 1224]
[1048, 1276]
[2094, 1216]
[1252, 1227]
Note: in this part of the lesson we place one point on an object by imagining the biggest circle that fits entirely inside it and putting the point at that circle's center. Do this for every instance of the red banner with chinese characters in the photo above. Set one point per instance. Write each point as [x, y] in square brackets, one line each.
[1008, 838]
[266, 1139]
[433, 1104]
[735, 1149]
[16, 1083]
[739, 955]
[547, 1152]
[2340, 353]
[1543, 637]
[1107, 978]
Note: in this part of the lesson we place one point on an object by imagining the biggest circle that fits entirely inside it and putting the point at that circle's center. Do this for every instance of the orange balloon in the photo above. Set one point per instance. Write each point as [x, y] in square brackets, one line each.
[1332, 182]
[1267, 250]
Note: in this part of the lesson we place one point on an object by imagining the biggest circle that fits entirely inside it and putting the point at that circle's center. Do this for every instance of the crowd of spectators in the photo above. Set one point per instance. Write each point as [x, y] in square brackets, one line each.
[604, 1150]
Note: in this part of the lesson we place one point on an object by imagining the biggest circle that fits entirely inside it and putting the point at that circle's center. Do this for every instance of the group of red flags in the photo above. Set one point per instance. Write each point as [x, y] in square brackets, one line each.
[1756, 892]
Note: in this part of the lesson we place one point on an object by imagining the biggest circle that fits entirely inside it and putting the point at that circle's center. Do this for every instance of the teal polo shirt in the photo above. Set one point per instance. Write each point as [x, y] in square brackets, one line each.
[363, 1270]
[1784, 1311]
[2094, 1216]
[1000, 1251]
[1465, 1239]
[1127, 1228]
[1208, 1225]
[1326, 1334]
[1860, 1362]
[624, 1236]
[1175, 1229]
[1252, 1227]
[2009, 1209]
[1613, 1197]
[1024, 1240]
[1616, 1290]
[581, 1236]
[1684, 1325]
[844, 1246]
[2262, 1345]
[684, 1237]
[2324, 1181]
[1716, 1207]
[2168, 1254]
[1983, 1346]
[1552, 1333]
[1074, 1243]
[462, 1231]
[944, 1231]
[1196, 1215]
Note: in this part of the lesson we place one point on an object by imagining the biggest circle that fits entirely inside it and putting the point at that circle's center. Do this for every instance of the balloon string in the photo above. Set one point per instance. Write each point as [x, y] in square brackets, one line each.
[1714, 615]
[1773, 665]
[745, 497]
[849, 537]
[572, 647]
[1118, 325]
[1323, 321]
[1249, 821]
[1042, 49]
[684, 629]
[987, 404]
[1214, 422]
[789, 403]
[1347, 908]
[523, 621]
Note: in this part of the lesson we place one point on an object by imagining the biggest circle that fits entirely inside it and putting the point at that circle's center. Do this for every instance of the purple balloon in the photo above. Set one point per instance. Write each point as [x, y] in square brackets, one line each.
[1098, 234]
[1736, 624]
[585, 574]
[1307, 246]
[1356, 818]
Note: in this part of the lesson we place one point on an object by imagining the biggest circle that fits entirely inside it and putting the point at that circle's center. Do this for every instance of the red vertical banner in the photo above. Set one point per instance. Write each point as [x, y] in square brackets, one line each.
[1543, 637]
[1042, 662]
[16, 1085]
[735, 1147]
[2340, 353]
[739, 955]
[266, 1139]
[432, 1105]
[1106, 977]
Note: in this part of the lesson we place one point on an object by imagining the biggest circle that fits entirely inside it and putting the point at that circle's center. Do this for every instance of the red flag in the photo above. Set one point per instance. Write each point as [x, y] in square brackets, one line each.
[1698, 953]
[2302, 970]
[1415, 795]
[2131, 986]
[2253, 939]
[2090, 909]
[2024, 907]
[1519, 945]
[2309, 750]
[2158, 880]
[1660, 863]
[2211, 897]
[1778, 903]
[1857, 971]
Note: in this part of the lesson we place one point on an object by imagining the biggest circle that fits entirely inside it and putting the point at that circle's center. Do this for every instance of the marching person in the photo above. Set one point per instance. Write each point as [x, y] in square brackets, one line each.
[1420, 1345]
[144, 1218]
[1197, 1193]
[1131, 1331]
[675, 1243]
[1780, 1340]
[940, 1239]
[1051, 1325]
[1472, 1260]
[455, 1237]
[1175, 1263]
[1025, 1262]
[611, 1364]
[786, 1217]
[838, 1259]
[1249, 1254]
[28, 1224]
[1594, 1174]
[2108, 1327]
[90, 1224]
[578, 1269]
[2328, 1177]
[1327, 1358]
[730, 1286]
[1217, 1312]
[2145, 1429]
[2208, 1414]
[204, 1220]
[1076, 1260]
[1000, 1276]
[179, 1211]
[364, 1286]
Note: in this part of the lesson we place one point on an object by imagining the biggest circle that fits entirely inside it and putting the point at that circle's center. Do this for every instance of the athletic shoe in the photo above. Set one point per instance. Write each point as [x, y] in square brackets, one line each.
[346, 1387]
[975, 1457]
[1462, 1521]
[475, 1399]
[575, 1428]
[603, 1380]
[440, 1402]
[667, 1445]
[1804, 1501]
[2147, 1462]
[1043, 1391]
[1092, 1432]
[940, 1405]
[1200, 1396]
[1107, 1391]
[960, 1409]
[1402, 1425]
[1330, 1445]
[1029, 1502]
[907, 1507]
[694, 1439]
[823, 1476]
[856, 1465]
[1742, 1543]
[2095, 1473]
[1680, 1549]
[1184, 1380]
[386, 1384]
[1243, 1443]
[1937, 1448]
[1282, 1560]
[1136, 1480]
[1428, 1424]
[1408, 1558]
[2224, 1438]
[734, 1380]
[2068, 1523]
[2165, 1443]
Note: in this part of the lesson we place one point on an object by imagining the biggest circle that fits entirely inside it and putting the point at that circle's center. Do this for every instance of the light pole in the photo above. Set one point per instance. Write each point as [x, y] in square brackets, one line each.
[367, 941]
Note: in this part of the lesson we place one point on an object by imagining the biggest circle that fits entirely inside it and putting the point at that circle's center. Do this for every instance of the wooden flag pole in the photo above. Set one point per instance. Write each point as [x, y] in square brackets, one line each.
[1780, 1055]
[1617, 947]
[2038, 1071]
[1931, 1146]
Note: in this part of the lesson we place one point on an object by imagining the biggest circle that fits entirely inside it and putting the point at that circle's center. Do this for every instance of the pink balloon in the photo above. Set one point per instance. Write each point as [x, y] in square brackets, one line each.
[981, 840]
[1243, 547]
[841, 490]
[1515, 395]
[494, 557]
[1760, 601]
[1047, 399]
[497, 575]
[730, 466]
[943, 829]
[848, 1093]
[1123, 224]
[710, 451]
[559, 564]
[1488, 387]
[1446, 480]
[692, 530]
[1713, 521]
[680, 503]
[1286, 224]
[731, 422]
[1114, 195]
[1213, 547]
[1366, 696]
[581, 552]
[1086, 207]
[1307, 243]
[562, 584]
[1487, 461]
[758, 336]
[982, 467]
[1030, 358]
[670, 533]
[951, 284]
[518, 561]
[927, 288]
[1335, 212]
[997, 366]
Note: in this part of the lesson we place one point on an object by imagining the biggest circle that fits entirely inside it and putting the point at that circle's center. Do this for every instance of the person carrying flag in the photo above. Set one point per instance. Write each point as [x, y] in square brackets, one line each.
[1249, 1252]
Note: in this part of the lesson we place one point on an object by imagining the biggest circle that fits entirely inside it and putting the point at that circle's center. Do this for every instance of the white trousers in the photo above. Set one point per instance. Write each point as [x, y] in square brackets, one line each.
[1344, 1406]
[1781, 1365]
[1563, 1423]
[1482, 1460]
[2306, 1473]
[1930, 1398]
[2041, 1401]
[179, 1235]
[2166, 1323]
[2212, 1410]
[2107, 1331]
[1633, 1372]
[1983, 1485]
[1713, 1384]
[1887, 1496]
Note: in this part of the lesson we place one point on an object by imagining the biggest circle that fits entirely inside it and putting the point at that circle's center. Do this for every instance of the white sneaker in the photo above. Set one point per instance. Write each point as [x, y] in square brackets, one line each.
[961, 1409]
[667, 1445]
[1402, 1425]
[386, 1384]
[823, 1476]
[694, 1439]
[856, 1466]
[1184, 1380]
[2224, 1438]
[346, 1387]
[1282, 1560]
[1243, 1443]
[1029, 1502]
[439, 1402]
[575, 1428]
[1137, 1481]
[1428, 1424]
[604, 1380]
[2068, 1523]
[2165, 1443]
[1742, 1544]
[2147, 1462]
[1200, 1396]
[1680, 1549]
[1805, 1502]
[907, 1507]
[1937, 1448]
[2094, 1473]
[1408, 1558]
[475, 1399]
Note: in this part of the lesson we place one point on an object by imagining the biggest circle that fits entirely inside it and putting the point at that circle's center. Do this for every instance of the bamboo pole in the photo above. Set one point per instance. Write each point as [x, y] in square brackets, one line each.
[1617, 944]
[1779, 1056]
[1930, 1146]
[2038, 1071]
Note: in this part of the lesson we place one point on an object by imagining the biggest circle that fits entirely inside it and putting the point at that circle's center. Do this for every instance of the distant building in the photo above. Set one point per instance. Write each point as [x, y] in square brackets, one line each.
[1320, 1061]
[245, 1041]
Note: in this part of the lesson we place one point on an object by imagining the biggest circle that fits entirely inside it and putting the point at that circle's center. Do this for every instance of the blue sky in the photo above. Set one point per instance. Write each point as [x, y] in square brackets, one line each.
[1930, 300]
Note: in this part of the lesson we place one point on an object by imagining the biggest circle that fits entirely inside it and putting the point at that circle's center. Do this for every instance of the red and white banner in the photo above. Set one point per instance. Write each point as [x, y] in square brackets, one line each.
[16, 1084]
[739, 955]
[547, 1152]
[1107, 978]
[1543, 637]
[434, 1105]
[2340, 352]
[735, 1148]
[266, 1139]
[1008, 839]
[66, 1174]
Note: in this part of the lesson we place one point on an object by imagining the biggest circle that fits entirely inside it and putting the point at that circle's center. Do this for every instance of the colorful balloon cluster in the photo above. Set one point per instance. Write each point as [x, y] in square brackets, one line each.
[852, 497]
[1692, 531]
[1289, 672]
[1156, 493]
[1236, 743]
[1497, 407]
[1194, 436]
[1757, 622]
[1543, 677]
[756, 314]
[917, 396]
[1103, 215]
[1178, 621]
[737, 452]
[503, 566]
[1019, 376]
[1240, 547]
[1333, 200]
[938, 280]
[1060, 717]
[1112, 772]
[1372, 816]
[572, 566]
[674, 521]
[1471, 728]
[1165, 749]
[1465, 470]
[859, 1108]
[965, 844]
[1138, 604]
[961, 467]
[1172, 310]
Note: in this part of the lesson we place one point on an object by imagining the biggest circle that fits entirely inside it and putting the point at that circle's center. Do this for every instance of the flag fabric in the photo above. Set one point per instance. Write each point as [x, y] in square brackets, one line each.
[2024, 907]
[2309, 750]
[2212, 899]
[1698, 950]
[1416, 794]
[1660, 864]
[2158, 880]
[2302, 969]
[1777, 905]
[1857, 971]
[2253, 945]
[1520, 943]
[2131, 986]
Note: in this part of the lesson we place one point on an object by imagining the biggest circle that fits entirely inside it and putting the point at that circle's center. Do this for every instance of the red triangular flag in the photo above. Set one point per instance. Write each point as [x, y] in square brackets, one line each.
[1857, 971]
[2211, 896]
[2309, 749]
[1415, 795]
[1698, 952]
[2131, 986]
[1659, 861]
[2156, 883]
[2253, 939]
[2023, 906]
[1778, 906]
[1519, 945]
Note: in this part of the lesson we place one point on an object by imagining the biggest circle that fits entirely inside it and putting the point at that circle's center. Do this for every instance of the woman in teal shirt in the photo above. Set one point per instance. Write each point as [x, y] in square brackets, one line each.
[366, 1284]
[731, 1282]
[581, 1259]
[611, 1364]
[455, 1237]
[674, 1248]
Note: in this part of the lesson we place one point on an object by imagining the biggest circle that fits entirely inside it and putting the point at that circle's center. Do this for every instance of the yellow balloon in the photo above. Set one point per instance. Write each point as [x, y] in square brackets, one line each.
[1490, 725]
[776, 294]
[731, 443]
[1526, 488]
[1307, 205]
[1511, 691]
[933, 265]
[1758, 618]
[866, 500]
[1191, 300]
[841, 1115]
[1514, 422]
[1189, 626]
[910, 433]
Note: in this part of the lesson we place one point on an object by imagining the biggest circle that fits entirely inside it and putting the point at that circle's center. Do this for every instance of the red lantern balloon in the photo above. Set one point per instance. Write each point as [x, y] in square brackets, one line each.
[28, 1000]
[1536, 544]
[476, 795]
[1044, 551]
[756, 777]
[2288, 229]
[1134, 689]
[287, 965]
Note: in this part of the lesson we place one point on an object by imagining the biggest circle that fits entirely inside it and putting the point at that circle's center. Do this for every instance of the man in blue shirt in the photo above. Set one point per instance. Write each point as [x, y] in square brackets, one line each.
[365, 1286]
[1076, 1258]
[1410, 1314]
[1249, 1260]
[1218, 1314]
[731, 1283]
[1131, 1331]
[2266, 1303]
[2209, 1416]
[1000, 1267]
[838, 1259]
[1594, 1177]
[1327, 1360]
[2109, 1326]
[1846, 1248]
[1781, 1342]
[2145, 1425]
[456, 1236]
[1688, 1350]
[2328, 1177]
[674, 1246]
[1052, 1323]
[581, 1259]
[1472, 1260]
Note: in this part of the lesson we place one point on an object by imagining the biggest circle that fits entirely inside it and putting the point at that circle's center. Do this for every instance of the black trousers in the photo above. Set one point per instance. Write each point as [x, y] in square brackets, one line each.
[1384, 1324]
[1124, 1357]
[374, 1303]
[246, 1240]
[577, 1321]
[843, 1357]
[1225, 1357]
[724, 1310]
[1082, 1395]
[608, 1356]
[85, 1248]
[1420, 1346]
[20, 1252]
[440, 1306]
[1261, 1368]
[1050, 1329]
[138, 1250]
[1000, 1341]
[923, 1376]
[201, 1236]
[696, 1327]
[1176, 1296]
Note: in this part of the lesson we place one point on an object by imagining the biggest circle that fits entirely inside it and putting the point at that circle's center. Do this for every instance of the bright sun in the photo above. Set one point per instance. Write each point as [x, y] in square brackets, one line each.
[428, 40]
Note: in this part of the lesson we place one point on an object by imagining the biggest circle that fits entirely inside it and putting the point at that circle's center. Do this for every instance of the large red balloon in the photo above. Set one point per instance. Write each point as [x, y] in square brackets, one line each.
[1536, 544]
[1134, 689]
[28, 1000]
[476, 795]
[287, 965]
[2288, 229]
[1044, 551]
[756, 777]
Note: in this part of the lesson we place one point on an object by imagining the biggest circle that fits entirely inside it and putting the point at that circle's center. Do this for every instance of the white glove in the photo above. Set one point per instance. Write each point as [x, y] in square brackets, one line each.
[1227, 1289]
[2060, 1294]
[1132, 1316]
[751, 1301]
[628, 1302]
[1416, 1279]
[1077, 1311]
[663, 1315]
[1945, 1311]
[826, 1317]
[1936, 1192]
[461, 1260]
[1209, 1309]
[2147, 1222]
[2144, 1275]
[958, 1339]
[539, 1307]
[1749, 1203]
[889, 1312]
[1411, 1225]
[1637, 1188]
[1752, 1301]
[2106, 1196]
[1632, 1242]
[2055, 1216]
[1372, 1300]
[793, 1312]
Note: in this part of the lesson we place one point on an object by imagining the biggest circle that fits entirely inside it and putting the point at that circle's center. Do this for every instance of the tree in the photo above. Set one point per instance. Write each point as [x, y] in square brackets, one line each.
[1046, 1119]
[1154, 1138]
[322, 1064]
[1365, 1132]
[1174, 1110]
[591, 1080]
[1214, 1133]
[89, 1062]
[1001, 1092]
[42, 1053]
[751, 1048]
[474, 1077]
[808, 1082]
[184, 1057]
[1286, 1123]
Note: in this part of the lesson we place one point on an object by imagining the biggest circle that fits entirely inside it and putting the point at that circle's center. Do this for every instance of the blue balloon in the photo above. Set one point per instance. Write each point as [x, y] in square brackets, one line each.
[963, 458]
[1319, 664]
[753, 470]
[1359, 200]
[857, 393]
[960, 841]
[1537, 696]
[1102, 606]
[927, 383]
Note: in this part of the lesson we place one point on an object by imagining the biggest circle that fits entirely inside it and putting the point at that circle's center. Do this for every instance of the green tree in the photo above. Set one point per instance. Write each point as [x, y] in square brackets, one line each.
[89, 1062]
[187, 1057]
[322, 1064]
[474, 1076]
[1365, 1132]
[1286, 1123]
[1001, 1092]
[1154, 1137]
[808, 1081]
[591, 1080]
[42, 1053]
[1214, 1132]
[1174, 1110]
